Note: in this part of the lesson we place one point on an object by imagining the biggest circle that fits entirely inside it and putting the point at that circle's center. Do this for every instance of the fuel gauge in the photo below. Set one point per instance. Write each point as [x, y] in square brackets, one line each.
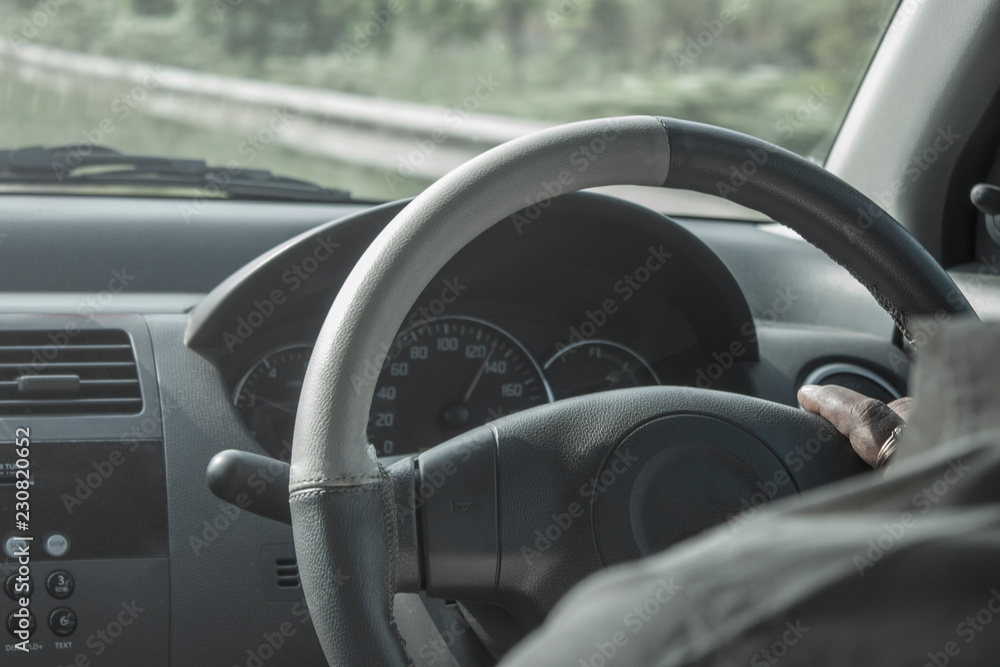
[596, 365]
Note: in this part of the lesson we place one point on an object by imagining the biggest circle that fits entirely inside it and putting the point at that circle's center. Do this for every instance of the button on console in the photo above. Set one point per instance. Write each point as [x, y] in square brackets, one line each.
[12, 546]
[56, 545]
[60, 584]
[62, 621]
[15, 591]
[14, 623]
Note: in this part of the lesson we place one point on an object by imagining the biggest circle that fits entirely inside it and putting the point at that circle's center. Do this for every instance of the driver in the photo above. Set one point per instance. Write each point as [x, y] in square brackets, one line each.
[895, 567]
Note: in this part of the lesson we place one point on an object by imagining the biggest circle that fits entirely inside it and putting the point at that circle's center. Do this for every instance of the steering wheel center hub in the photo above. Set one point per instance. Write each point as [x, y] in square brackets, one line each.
[676, 476]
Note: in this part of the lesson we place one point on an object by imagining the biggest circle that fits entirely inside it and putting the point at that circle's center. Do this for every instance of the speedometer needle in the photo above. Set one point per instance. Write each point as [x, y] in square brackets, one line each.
[272, 403]
[482, 369]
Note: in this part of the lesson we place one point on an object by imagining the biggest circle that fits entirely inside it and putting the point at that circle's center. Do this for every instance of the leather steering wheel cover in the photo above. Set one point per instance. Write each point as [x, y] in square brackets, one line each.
[337, 487]
[854, 231]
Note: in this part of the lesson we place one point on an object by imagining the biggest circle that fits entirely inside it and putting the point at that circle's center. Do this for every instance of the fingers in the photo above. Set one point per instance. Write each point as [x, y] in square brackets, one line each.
[902, 406]
[867, 422]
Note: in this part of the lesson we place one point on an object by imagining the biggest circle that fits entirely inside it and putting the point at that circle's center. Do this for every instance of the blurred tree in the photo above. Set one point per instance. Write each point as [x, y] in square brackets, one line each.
[154, 7]
[750, 62]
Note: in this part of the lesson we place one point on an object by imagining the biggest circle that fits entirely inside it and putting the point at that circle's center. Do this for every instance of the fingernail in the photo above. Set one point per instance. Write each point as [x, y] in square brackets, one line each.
[809, 389]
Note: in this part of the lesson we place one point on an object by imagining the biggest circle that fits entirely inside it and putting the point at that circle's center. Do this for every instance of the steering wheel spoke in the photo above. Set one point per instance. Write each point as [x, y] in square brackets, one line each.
[518, 511]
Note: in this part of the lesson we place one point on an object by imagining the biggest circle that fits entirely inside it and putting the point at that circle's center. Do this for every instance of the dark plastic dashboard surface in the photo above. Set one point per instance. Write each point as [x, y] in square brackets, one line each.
[216, 597]
[192, 256]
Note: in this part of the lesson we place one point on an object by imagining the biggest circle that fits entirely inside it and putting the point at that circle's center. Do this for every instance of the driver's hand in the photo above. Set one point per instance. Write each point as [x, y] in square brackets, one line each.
[867, 422]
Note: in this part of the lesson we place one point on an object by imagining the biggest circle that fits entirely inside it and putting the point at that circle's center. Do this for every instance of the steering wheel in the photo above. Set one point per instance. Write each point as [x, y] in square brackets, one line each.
[517, 511]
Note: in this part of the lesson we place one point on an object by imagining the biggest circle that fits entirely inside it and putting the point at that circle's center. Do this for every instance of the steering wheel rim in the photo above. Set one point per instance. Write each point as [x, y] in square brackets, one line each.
[342, 501]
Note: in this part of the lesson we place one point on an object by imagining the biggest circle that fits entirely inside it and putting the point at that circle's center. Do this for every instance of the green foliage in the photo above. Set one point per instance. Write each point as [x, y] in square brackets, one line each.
[154, 7]
[752, 65]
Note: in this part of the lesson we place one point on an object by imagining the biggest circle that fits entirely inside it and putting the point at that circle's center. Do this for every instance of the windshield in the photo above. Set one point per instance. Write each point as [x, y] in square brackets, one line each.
[382, 98]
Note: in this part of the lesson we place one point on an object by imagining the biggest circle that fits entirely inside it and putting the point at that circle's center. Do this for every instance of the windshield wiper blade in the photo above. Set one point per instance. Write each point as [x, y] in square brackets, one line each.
[86, 164]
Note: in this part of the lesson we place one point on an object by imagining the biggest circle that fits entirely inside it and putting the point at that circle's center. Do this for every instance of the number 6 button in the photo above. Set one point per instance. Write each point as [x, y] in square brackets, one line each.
[62, 621]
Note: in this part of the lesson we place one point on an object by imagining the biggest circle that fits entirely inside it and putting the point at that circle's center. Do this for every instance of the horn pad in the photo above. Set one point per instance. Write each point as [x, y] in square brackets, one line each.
[675, 477]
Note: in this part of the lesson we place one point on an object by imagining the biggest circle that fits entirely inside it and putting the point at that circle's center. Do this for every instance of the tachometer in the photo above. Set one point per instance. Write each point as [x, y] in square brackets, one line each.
[451, 374]
[268, 396]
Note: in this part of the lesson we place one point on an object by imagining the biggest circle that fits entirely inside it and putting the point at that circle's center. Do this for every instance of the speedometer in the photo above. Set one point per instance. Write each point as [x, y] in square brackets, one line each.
[451, 374]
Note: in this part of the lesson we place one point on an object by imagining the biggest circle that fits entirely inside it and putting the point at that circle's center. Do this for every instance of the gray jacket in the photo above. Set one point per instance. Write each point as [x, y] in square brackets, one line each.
[896, 570]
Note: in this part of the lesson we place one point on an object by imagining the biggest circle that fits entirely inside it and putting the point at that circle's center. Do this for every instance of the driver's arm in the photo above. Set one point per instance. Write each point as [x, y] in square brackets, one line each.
[867, 422]
[857, 564]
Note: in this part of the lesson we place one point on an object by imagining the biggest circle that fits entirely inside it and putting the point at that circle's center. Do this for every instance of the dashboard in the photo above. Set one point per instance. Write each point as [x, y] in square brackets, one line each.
[197, 341]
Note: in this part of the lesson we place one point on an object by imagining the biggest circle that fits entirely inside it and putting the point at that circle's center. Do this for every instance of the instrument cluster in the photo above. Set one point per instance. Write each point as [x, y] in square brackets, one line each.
[443, 376]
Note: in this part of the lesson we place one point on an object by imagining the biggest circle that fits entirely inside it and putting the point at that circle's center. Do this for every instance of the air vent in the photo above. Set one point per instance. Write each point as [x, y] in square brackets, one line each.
[854, 377]
[84, 371]
[281, 573]
[286, 571]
